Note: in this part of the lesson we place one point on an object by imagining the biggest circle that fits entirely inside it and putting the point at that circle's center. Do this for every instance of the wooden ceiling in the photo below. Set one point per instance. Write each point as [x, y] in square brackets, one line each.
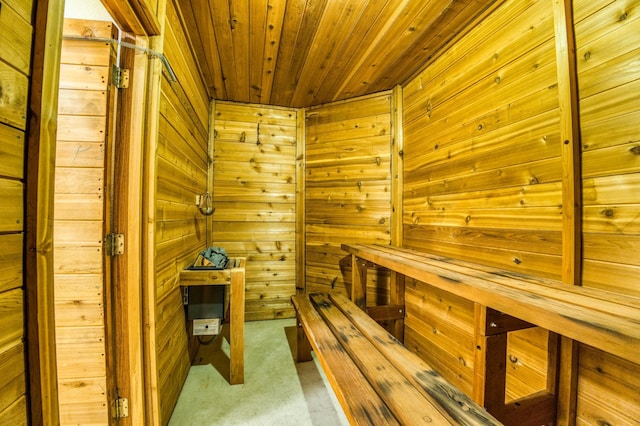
[300, 53]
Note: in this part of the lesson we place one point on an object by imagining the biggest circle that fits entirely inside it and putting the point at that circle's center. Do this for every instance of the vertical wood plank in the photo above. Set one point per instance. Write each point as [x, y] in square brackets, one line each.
[489, 379]
[358, 282]
[39, 212]
[571, 195]
[397, 177]
[236, 345]
[301, 257]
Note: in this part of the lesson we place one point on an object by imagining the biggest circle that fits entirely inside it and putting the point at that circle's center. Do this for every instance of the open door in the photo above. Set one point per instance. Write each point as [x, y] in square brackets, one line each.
[97, 227]
[82, 216]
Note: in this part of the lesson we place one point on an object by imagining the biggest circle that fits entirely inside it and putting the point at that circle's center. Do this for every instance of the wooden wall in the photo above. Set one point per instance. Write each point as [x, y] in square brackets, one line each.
[482, 182]
[347, 186]
[79, 225]
[254, 192]
[15, 56]
[608, 51]
[180, 231]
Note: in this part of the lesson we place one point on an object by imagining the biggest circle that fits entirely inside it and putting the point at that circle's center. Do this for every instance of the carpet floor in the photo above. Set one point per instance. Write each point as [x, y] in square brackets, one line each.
[277, 391]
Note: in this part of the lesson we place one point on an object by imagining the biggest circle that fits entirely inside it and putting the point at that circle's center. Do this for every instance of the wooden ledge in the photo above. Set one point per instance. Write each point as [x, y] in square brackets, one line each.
[601, 319]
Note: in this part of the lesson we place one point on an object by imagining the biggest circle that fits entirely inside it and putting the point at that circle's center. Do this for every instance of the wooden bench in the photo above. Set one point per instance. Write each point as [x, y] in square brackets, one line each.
[506, 301]
[376, 379]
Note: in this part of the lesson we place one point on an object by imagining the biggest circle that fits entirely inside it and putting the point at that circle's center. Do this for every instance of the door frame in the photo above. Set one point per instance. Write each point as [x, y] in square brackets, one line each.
[132, 118]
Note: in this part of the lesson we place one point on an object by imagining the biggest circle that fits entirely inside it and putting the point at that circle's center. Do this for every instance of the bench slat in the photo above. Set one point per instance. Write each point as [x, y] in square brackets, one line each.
[360, 402]
[403, 399]
[570, 312]
[434, 387]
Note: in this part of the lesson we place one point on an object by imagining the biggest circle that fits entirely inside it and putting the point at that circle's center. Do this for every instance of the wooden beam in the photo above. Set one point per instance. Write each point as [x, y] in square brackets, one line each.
[38, 273]
[571, 194]
[301, 258]
[397, 177]
[359, 282]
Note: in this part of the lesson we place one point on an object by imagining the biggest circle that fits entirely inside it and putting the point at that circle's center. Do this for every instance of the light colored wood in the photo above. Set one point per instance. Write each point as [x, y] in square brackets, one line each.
[15, 86]
[11, 270]
[301, 214]
[256, 167]
[38, 255]
[234, 277]
[15, 36]
[432, 386]
[85, 358]
[568, 98]
[287, 54]
[12, 152]
[353, 391]
[573, 313]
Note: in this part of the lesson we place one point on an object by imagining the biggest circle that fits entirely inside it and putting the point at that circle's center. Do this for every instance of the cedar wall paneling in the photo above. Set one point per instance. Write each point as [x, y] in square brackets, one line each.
[79, 266]
[347, 188]
[15, 54]
[181, 173]
[608, 53]
[255, 200]
[482, 182]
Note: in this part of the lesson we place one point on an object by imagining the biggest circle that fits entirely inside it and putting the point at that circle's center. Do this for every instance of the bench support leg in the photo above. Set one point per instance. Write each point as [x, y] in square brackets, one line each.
[303, 347]
[397, 298]
[359, 282]
[489, 380]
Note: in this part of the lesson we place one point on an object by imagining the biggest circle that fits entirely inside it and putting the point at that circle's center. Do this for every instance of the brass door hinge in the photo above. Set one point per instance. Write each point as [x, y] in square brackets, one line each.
[120, 408]
[114, 244]
[120, 77]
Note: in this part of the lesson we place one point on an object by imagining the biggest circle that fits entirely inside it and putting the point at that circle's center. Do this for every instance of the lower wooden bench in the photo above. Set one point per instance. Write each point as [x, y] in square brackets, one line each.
[375, 378]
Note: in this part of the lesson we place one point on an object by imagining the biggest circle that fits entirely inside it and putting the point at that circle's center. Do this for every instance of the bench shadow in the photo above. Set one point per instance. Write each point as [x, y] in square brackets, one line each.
[323, 410]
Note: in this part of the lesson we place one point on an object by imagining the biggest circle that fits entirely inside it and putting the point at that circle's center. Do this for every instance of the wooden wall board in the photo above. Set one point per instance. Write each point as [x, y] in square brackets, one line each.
[254, 194]
[12, 371]
[607, 389]
[15, 414]
[10, 261]
[16, 36]
[86, 77]
[78, 128]
[347, 182]
[82, 102]
[181, 162]
[13, 105]
[12, 152]
[12, 308]
[11, 210]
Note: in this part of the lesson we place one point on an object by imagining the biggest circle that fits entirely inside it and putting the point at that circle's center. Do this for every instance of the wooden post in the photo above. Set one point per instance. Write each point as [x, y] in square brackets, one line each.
[236, 345]
[571, 195]
[301, 249]
[490, 369]
[358, 282]
[397, 177]
[38, 272]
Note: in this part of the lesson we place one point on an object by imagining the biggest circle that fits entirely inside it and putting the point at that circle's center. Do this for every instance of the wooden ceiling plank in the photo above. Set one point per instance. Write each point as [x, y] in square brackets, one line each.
[371, 19]
[191, 15]
[239, 22]
[293, 52]
[324, 49]
[416, 20]
[399, 9]
[434, 35]
[257, 36]
[220, 17]
[453, 28]
[272, 40]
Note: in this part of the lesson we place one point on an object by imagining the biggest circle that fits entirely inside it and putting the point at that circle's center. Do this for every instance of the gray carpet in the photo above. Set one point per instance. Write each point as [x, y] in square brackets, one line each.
[276, 390]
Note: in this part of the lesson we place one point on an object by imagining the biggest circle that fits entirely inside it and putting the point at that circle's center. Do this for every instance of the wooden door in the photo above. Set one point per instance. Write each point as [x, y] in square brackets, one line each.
[81, 274]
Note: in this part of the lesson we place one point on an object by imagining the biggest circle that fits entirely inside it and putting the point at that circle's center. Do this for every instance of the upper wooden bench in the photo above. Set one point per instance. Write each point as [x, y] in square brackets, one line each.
[505, 301]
